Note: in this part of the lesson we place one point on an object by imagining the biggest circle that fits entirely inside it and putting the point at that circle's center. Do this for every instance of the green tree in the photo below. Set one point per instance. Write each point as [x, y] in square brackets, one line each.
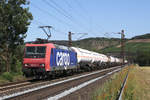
[14, 21]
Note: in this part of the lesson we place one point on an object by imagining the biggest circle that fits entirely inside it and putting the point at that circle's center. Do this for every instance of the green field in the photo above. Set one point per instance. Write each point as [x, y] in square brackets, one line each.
[137, 52]
[129, 47]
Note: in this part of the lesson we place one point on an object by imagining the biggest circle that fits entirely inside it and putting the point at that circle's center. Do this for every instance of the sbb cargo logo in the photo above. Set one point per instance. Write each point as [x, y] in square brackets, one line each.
[62, 59]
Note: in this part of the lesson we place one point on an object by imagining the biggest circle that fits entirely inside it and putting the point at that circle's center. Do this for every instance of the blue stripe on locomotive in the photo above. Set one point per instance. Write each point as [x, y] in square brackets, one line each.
[65, 58]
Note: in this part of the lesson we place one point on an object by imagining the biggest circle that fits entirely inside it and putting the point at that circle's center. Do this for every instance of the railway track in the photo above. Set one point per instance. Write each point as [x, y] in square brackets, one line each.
[14, 85]
[22, 85]
[53, 89]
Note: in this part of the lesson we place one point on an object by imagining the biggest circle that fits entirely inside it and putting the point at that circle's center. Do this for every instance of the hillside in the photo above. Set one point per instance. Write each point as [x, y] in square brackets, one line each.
[137, 43]
[132, 47]
[137, 52]
[94, 44]
[145, 36]
[110, 45]
[139, 40]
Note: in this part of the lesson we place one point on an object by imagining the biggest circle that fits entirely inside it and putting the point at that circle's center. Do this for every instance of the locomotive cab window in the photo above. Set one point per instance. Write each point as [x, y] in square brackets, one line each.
[30, 49]
[35, 52]
[41, 49]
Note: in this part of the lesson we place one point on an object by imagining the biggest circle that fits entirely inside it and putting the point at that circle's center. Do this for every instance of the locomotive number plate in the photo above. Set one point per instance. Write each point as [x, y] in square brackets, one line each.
[34, 64]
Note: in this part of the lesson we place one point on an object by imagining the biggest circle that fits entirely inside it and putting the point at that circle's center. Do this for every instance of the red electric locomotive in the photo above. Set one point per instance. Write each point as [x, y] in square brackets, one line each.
[40, 60]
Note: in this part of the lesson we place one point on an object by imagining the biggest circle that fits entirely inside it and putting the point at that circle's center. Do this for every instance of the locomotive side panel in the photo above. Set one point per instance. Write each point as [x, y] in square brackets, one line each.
[62, 59]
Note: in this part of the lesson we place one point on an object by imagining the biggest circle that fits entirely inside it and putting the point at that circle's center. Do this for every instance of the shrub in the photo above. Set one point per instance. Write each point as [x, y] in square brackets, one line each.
[8, 76]
[19, 67]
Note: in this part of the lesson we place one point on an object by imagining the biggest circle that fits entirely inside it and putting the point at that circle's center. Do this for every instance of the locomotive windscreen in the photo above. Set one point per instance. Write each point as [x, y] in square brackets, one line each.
[35, 52]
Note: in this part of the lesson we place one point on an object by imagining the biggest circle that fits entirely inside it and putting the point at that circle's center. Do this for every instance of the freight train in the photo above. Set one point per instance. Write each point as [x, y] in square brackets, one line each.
[46, 60]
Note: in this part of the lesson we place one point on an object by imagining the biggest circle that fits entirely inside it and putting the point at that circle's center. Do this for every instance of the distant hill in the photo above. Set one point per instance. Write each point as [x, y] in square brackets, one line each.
[94, 44]
[145, 36]
[129, 47]
[139, 40]
[137, 43]
[137, 50]
[133, 45]
[107, 45]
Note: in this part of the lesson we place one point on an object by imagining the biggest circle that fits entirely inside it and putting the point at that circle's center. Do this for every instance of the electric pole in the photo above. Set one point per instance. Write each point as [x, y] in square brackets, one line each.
[122, 46]
[70, 39]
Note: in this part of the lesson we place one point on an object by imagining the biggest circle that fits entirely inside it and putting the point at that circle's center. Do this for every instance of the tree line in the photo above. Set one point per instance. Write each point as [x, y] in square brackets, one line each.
[142, 57]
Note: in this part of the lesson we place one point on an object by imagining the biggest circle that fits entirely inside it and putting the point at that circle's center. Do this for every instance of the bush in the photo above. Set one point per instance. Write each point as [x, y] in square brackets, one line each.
[7, 76]
[16, 66]
[19, 67]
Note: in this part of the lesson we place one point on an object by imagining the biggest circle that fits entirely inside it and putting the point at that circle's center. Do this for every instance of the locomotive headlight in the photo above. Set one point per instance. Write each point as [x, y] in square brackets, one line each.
[25, 65]
[42, 65]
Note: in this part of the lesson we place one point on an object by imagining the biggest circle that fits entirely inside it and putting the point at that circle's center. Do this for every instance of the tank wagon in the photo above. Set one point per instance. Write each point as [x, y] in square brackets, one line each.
[44, 60]
[88, 60]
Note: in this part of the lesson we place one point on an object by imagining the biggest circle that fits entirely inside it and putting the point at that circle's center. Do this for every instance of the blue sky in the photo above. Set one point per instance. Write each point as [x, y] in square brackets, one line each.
[95, 17]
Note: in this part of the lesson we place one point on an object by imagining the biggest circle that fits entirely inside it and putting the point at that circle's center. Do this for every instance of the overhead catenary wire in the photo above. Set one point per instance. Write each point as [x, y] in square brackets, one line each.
[46, 12]
[71, 19]
[84, 14]
[65, 14]
[59, 10]
[41, 23]
[81, 8]
[63, 10]
[67, 3]
[88, 17]
[56, 9]
[60, 31]
[38, 23]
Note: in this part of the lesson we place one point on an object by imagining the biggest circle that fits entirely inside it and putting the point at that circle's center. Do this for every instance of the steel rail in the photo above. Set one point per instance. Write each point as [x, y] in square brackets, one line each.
[123, 86]
[71, 90]
[4, 87]
[52, 84]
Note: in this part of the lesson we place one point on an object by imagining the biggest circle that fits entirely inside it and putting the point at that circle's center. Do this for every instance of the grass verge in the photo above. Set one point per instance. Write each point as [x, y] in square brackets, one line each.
[111, 88]
[137, 85]
[8, 77]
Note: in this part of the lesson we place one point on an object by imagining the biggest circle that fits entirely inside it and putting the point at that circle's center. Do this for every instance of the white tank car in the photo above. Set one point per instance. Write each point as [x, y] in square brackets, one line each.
[89, 56]
[83, 55]
[126, 61]
[117, 60]
[99, 57]
[104, 58]
[112, 59]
